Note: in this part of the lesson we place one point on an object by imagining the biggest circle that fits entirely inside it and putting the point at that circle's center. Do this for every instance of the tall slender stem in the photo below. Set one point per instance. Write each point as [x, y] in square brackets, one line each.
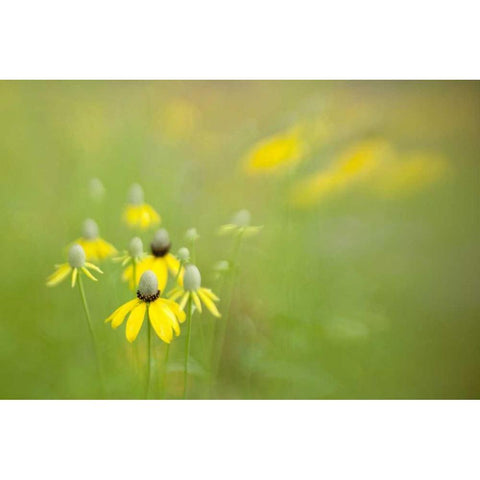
[90, 327]
[164, 374]
[147, 387]
[134, 267]
[187, 346]
[223, 324]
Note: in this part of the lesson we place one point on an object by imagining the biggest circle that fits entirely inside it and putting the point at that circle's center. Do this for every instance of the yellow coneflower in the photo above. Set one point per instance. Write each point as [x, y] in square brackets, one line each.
[354, 165]
[161, 261]
[163, 315]
[94, 246]
[132, 256]
[240, 225]
[193, 292]
[275, 153]
[76, 265]
[139, 214]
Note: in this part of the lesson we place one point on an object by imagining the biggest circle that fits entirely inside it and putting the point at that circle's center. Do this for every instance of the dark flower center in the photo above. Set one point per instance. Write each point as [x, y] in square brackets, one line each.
[148, 298]
[160, 251]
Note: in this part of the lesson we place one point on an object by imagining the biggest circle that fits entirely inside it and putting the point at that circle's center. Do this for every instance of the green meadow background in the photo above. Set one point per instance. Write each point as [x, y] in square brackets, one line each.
[357, 296]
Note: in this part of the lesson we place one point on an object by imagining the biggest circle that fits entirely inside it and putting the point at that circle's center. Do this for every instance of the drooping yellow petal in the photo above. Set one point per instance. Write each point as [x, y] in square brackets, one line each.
[104, 249]
[141, 216]
[208, 302]
[160, 322]
[177, 311]
[56, 277]
[135, 321]
[93, 267]
[74, 276]
[160, 268]
[210, 294]
[88, 274]
[118, 316]
[165, 307]
[227, 229]
[196, 301]
[184, 299]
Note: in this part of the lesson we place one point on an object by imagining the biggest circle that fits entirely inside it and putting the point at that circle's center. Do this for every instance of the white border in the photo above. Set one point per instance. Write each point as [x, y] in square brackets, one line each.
[244, 40]
[240, 439]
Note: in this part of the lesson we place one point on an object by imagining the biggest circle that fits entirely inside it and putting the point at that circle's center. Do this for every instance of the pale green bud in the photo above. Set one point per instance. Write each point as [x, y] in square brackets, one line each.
[222, 266]
[161, 239]
[242, 218]
[76, 256]
[148, 284]
[96, 188]
[183, 254]
[191, 235]
[192, 278]
[90, 229]
[135, 247]
[135, 194]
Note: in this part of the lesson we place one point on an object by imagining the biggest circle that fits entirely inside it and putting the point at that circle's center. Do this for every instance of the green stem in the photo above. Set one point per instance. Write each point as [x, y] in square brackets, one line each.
[134, 266]
[187, 346]
[223, 325]
[147, 387]
[90, 327]
[164, 374]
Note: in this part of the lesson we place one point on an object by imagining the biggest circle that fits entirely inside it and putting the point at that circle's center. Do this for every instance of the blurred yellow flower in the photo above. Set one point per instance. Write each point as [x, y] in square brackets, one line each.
[164, 314]
[411, 173]
[94, 246]
[179, 119]
[354, 165]
[161, 262]
[240, 225]
[275, 153]
[76, 264]
[138, 214]
[192, 289]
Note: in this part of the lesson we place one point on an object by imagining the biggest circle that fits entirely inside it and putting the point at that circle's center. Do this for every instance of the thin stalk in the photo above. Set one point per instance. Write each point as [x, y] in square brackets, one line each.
[224, 324]
[134, 266]
[164, 374]
[187, 346]
[90, 328]
[147, 387]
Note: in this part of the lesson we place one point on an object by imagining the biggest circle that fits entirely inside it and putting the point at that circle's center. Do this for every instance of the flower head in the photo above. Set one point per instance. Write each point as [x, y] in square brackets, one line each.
[161, 261]
[275, 153]
[96, 189]
[191, 235]
[94, 246]
[183, 254]
[133, 253]
[164, 314]
[240, 225]
[76, 265]
[192, 281]
[138, 213]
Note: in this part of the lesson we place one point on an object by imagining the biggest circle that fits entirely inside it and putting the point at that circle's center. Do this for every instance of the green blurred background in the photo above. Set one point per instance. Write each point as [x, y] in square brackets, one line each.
[359, 295]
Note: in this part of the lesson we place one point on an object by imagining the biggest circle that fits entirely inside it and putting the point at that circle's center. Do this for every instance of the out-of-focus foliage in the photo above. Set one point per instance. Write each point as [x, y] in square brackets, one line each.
[362, 283]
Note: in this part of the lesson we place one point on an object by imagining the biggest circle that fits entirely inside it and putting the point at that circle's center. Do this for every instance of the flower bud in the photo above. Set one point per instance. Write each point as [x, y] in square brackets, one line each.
[183, 254]
[191, 235]
[96, 189]
[222, 266]
[192, 278]
[90, 229]
[148, 284]
[135, 194]
[242, 218]
[135, 247]
[76, 256]
[161, 239]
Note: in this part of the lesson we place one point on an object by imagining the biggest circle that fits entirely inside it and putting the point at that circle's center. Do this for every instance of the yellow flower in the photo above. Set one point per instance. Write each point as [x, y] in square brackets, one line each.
[240, 225]
[354, 165]
[76, 265]
[192, 289]
[275, 153]
[164, 314]
[139, 214]
[411, 173]
[95, 247]
[134, 252]
[161, 262]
